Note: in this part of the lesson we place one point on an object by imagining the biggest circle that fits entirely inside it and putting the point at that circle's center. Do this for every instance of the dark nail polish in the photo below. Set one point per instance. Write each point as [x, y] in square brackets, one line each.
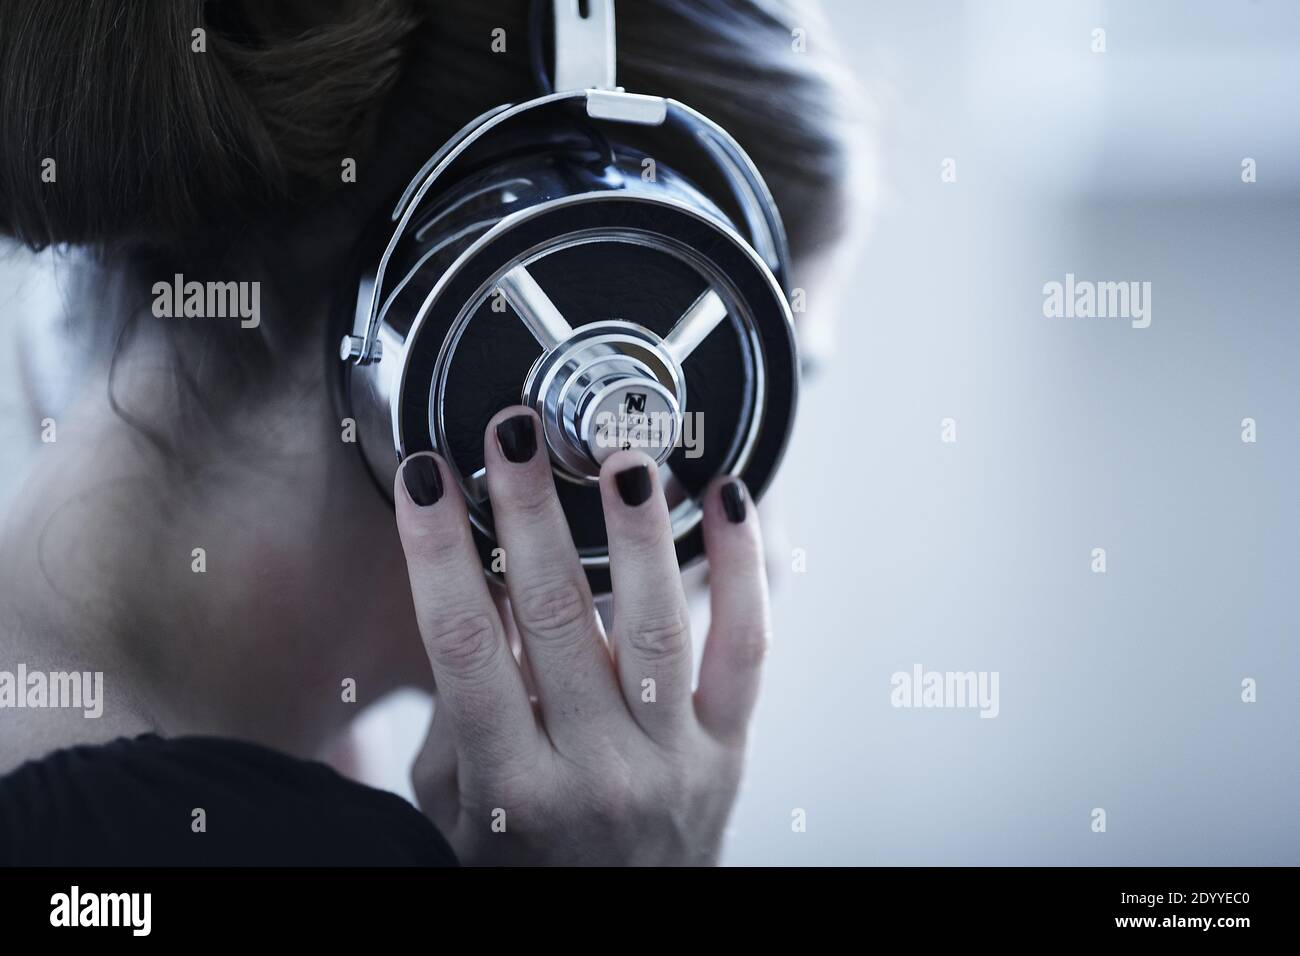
[517, 438]
[633, 485]
[423, 482]
[733, 501]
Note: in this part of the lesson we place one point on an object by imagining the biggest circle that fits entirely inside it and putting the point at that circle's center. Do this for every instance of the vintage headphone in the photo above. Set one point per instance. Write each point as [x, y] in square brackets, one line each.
[554, 253]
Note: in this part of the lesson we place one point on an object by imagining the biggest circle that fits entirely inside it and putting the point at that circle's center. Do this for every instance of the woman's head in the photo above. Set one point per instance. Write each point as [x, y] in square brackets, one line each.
[233, 140]
[199, 125]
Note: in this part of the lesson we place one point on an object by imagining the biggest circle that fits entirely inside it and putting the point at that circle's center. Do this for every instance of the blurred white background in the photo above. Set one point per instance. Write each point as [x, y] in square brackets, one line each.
[1119, 691]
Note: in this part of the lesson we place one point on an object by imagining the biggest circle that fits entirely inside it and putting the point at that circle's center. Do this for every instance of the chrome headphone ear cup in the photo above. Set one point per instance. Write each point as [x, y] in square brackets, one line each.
[567, 279]
[591, 254]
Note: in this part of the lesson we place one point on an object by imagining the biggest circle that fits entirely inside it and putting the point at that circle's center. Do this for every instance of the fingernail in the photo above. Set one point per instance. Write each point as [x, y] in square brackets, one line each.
[517, 438]
[423, 483]
[733, 501]
[633, 485]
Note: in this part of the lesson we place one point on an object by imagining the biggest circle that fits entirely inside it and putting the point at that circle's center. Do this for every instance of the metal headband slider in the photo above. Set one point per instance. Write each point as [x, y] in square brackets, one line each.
[585, 53]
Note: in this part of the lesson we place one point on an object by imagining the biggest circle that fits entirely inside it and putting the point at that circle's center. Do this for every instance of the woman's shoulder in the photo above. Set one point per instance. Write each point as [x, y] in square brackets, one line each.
[149, 800]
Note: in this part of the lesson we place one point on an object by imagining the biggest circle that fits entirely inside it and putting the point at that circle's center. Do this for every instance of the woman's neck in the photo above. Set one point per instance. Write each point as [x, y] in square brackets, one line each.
[208, 598]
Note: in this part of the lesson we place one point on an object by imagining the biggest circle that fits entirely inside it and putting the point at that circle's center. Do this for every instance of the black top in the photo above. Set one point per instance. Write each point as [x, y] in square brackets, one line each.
[132, 802]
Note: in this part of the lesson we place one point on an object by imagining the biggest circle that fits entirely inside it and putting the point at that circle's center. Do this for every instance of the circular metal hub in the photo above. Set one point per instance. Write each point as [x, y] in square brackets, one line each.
[609, 386]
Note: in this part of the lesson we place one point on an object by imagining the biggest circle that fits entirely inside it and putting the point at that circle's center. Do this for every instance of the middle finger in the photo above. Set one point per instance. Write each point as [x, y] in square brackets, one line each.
[549, 593]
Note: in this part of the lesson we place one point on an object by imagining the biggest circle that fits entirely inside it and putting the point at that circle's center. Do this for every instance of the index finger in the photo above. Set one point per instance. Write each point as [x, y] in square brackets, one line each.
[478, 680]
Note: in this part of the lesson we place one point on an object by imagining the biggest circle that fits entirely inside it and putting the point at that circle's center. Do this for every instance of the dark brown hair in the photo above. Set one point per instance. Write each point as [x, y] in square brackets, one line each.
[153, 140]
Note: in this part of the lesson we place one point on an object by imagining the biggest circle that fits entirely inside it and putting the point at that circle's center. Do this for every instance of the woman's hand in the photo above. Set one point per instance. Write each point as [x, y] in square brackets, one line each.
[582, 750]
